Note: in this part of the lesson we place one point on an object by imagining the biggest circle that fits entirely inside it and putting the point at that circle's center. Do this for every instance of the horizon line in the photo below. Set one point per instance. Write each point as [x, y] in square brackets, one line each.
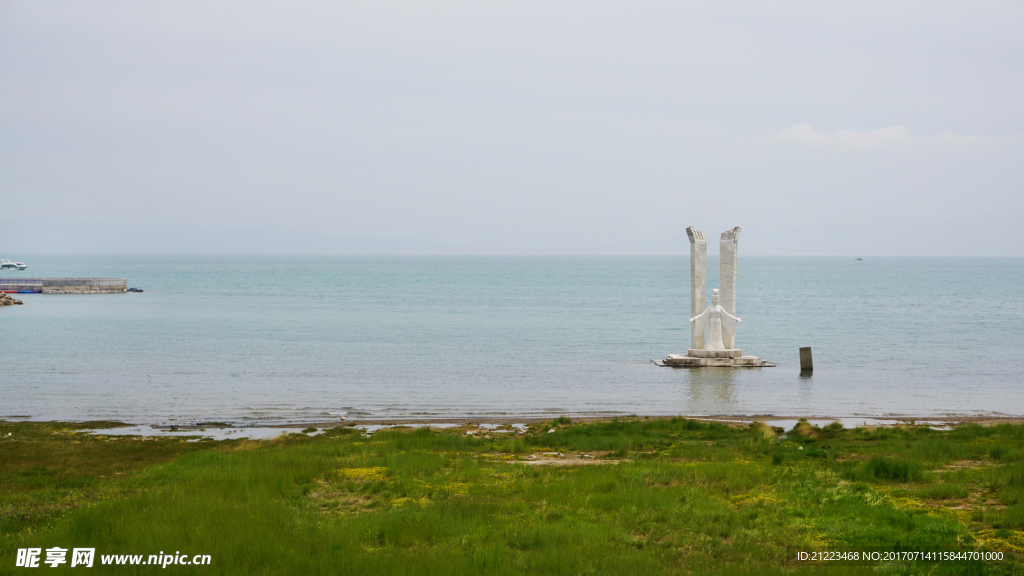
[513, 254]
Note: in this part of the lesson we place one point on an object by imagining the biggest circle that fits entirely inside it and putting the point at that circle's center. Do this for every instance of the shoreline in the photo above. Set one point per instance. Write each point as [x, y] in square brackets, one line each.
[738, 421]
[731, 420]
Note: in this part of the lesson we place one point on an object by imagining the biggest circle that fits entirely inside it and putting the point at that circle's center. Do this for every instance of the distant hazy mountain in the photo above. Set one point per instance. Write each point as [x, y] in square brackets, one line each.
[63, 236]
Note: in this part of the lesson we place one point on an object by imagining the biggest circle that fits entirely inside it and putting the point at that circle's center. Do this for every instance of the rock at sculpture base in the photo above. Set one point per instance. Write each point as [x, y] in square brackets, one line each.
[730, 353]
[680, 361]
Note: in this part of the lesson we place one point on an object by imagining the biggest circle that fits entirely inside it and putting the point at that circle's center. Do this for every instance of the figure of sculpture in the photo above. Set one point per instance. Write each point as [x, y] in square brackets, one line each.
[721, 325]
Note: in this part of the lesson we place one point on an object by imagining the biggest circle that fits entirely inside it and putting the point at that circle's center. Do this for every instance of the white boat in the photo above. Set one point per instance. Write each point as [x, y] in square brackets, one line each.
[6, 264]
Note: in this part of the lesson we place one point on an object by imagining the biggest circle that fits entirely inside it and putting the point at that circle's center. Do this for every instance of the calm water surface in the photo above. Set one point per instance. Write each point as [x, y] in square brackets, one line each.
[312, 338]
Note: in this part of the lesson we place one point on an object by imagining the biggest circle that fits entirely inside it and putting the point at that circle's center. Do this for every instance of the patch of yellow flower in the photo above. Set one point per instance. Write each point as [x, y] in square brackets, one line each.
[375, 474]
[819, 539]
[401, 502]
[755, 499]
[883, 495]
[453, 488]
[961, 516]
[1012, 540]
[69, 432]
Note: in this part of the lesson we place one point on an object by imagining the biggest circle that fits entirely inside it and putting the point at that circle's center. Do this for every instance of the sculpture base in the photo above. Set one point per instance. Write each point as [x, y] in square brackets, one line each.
[731, 353]
[690, 361]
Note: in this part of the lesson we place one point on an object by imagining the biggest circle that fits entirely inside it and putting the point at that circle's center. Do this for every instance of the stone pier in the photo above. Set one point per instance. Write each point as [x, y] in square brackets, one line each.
[698, 265]
[64, 285]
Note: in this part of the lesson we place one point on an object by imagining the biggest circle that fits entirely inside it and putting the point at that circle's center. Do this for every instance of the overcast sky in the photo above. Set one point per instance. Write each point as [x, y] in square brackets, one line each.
[517, 127]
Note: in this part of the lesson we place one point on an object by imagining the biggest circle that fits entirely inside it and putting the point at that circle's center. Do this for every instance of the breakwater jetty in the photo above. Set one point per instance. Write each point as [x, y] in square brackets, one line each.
[64, 285]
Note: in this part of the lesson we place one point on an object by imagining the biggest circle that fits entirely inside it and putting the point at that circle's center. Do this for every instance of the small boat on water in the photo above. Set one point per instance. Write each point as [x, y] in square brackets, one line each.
[6, 264]
[858, 258]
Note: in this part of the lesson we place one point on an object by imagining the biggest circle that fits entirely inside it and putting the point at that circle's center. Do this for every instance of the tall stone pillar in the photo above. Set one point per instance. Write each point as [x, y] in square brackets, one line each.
[727, 259]
[698, 270]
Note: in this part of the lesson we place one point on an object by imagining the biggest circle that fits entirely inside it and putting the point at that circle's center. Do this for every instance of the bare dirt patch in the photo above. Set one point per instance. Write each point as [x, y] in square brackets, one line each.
[963, 464]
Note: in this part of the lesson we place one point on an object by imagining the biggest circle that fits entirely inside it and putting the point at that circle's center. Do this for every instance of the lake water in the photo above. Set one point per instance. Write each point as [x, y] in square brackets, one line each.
[312, 338]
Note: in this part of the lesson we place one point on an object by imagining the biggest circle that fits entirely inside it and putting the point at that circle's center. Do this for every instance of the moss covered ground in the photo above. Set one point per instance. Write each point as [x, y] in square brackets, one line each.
[638, 496]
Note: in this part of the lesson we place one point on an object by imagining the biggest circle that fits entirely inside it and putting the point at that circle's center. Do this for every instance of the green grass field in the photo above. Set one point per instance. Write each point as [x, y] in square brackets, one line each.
[665, 496]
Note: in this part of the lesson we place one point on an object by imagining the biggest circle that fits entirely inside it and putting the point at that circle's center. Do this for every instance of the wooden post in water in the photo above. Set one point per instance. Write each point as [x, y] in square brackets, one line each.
[806, 365]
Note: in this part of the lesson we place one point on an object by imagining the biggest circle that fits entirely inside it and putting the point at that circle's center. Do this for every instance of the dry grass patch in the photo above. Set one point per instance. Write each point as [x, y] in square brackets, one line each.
[804, 429]
[332, 500]
[762, 431]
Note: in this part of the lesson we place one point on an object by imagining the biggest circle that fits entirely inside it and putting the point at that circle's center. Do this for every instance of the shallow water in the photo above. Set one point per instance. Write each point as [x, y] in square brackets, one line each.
[788, 424]
[193, 435]
[313, 338]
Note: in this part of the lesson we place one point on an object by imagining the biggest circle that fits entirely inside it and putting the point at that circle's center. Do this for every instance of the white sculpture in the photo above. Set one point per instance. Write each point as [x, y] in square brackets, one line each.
[698, 263]
[718, 348]
[721, 325]
[727, 256]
